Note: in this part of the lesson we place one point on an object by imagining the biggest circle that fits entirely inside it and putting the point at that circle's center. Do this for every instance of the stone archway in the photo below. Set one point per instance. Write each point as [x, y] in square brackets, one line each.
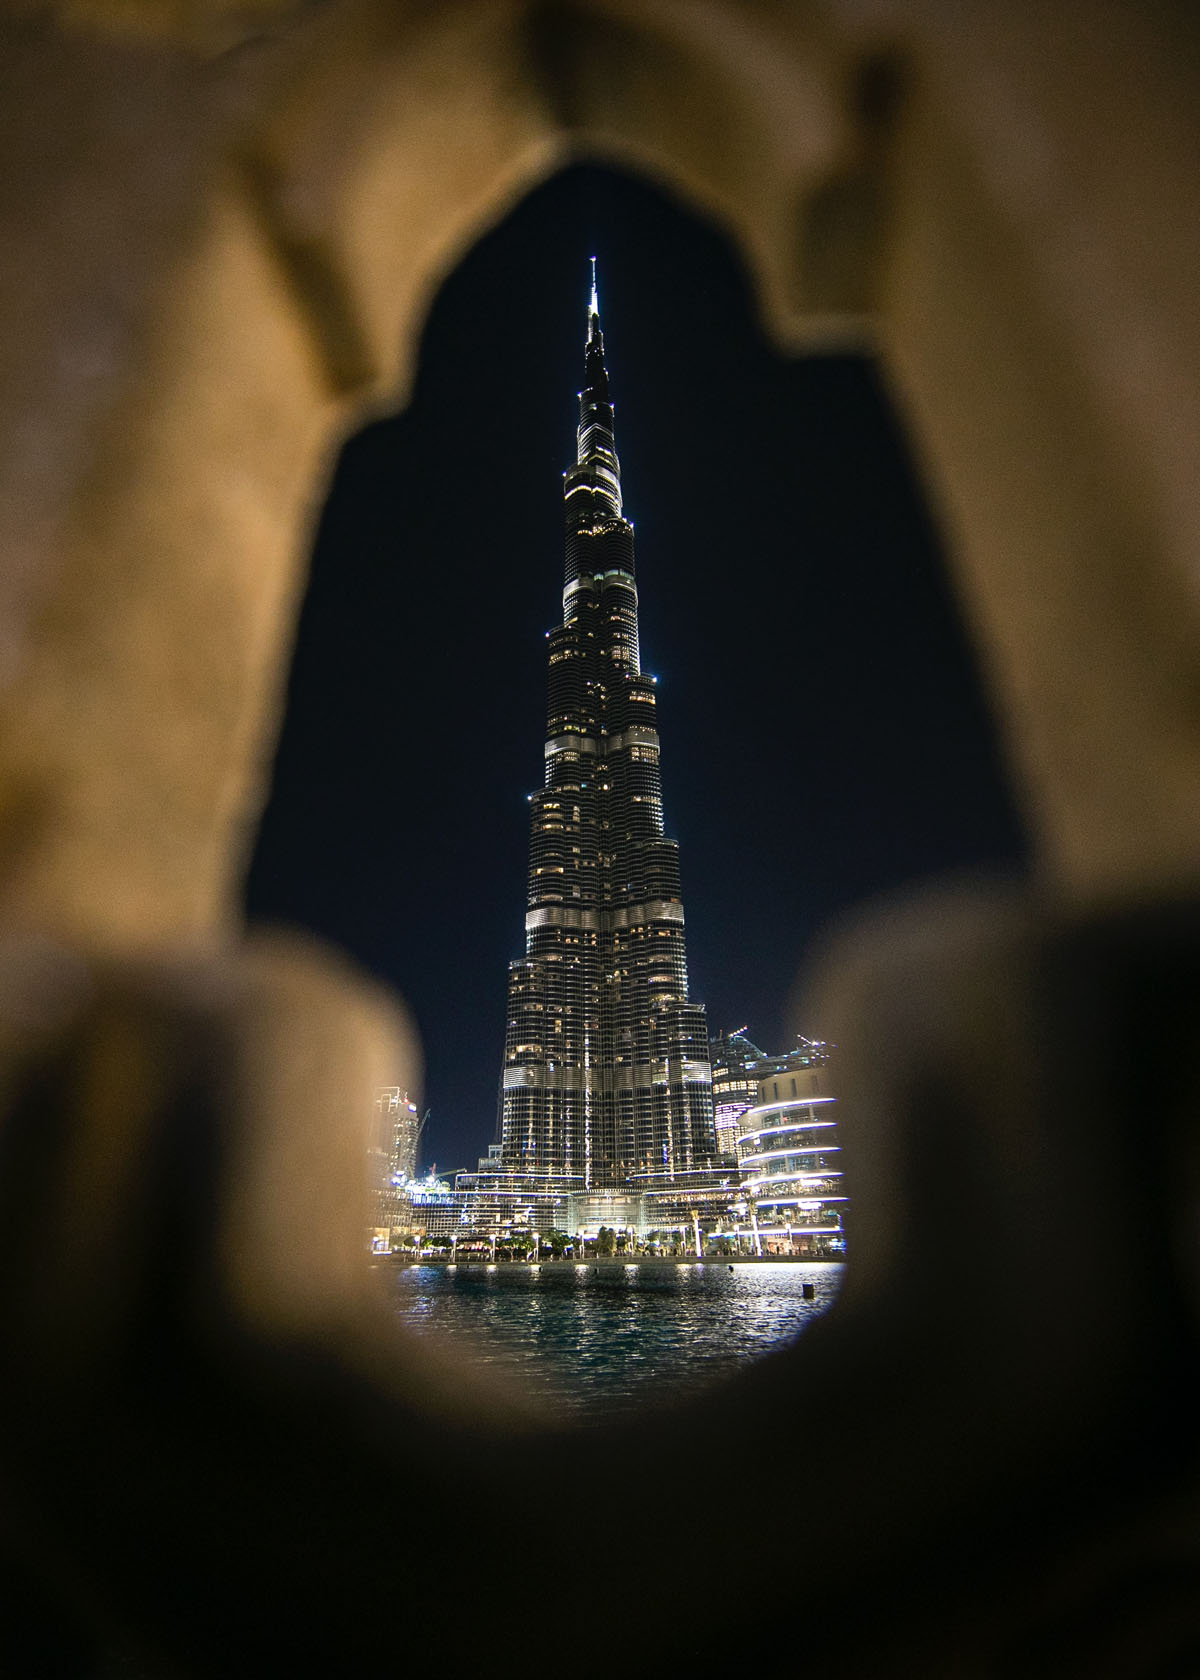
[222, 230]
[226, 260]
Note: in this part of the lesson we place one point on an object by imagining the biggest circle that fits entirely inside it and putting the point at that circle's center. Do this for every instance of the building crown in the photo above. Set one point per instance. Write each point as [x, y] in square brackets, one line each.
[597, 467]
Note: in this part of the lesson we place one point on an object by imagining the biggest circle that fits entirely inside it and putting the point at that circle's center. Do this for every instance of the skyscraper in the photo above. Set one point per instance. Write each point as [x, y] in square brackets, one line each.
[606, 1078]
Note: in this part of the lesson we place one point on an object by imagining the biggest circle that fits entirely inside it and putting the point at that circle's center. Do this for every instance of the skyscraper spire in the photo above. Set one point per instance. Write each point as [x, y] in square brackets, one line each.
[606, 1077]
[593, 486]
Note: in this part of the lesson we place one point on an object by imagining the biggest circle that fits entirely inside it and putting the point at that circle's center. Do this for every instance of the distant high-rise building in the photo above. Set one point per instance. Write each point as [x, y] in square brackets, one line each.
[606, 1076]
[737, 1064]
[398, 1130]
[392, 1163]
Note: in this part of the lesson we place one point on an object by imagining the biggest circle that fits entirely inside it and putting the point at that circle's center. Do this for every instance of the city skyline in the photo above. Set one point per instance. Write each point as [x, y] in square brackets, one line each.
[793, 566]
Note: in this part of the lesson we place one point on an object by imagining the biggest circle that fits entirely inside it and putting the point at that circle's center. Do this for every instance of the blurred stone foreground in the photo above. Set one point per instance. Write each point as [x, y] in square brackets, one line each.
[221, 227]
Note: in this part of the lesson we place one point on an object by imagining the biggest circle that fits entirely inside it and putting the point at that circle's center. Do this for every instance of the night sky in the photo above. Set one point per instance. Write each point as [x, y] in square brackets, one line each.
[824, 738]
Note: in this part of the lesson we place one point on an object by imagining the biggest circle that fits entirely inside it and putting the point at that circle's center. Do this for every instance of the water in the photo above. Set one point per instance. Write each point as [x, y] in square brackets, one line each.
[597, 1342]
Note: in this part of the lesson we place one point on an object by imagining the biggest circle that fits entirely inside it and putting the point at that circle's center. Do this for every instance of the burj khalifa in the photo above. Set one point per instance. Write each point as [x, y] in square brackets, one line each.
[606, 1078]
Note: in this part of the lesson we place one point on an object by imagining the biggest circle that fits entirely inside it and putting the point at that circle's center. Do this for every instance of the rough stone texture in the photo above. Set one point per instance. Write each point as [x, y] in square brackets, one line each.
[1038, 323]
[994, 1431]
[165, 424]
[999, 205]
[219, 228]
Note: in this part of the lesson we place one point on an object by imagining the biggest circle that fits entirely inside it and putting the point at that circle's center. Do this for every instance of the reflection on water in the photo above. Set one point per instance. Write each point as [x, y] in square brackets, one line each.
[597, 1341]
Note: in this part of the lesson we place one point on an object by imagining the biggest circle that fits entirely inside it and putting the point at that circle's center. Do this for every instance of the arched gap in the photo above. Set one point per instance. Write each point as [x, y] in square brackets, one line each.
[825, 738]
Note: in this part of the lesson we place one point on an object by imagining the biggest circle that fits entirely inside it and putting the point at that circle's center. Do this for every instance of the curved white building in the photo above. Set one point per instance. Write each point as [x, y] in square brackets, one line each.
[790, 1161]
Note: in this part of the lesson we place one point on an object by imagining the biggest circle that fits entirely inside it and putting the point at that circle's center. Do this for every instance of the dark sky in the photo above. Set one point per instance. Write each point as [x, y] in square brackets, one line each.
[823, 734]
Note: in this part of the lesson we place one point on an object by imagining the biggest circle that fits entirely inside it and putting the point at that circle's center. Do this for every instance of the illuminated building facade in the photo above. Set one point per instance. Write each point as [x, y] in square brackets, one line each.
[790, 1159]
[392, 1161]
[435, 1210]
[392, 1164]
[606, 1078]
[496, 1198]
[737, 1066]
[398, 1128]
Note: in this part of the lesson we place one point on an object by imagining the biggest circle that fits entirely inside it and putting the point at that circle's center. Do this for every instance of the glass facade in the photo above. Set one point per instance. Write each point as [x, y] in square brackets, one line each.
[606, 1077]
